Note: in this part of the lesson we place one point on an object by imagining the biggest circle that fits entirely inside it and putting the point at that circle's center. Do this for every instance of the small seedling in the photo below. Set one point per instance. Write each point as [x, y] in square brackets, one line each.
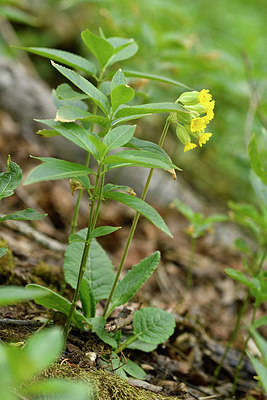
[199, 226]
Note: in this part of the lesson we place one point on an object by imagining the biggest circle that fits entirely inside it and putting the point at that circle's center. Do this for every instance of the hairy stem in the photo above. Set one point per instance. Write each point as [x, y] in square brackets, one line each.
[134, 224]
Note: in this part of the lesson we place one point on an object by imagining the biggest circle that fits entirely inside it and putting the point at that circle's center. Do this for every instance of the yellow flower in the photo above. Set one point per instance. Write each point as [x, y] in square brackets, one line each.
[204, 137]
[204, 97]
[189, 146]
[209, 116]
[198, 124]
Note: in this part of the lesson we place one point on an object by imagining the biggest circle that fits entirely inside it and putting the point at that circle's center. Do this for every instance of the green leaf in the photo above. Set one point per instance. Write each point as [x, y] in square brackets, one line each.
[17, 15]
[124, 49]
[66, 93]
[10, 180]
[70, 113]
[114, 365]
[242, 246]
[23, 215]
[47, 133]
[146, 145]
[16, 294]
[261, 344]
[142, 346]
[262, 321]
[64, 57]
[142, 207]
[125, 111]
[120, 95]
[261, 371]
[87, 299]
[118, 80]
[100, 47]
[153, 77]
[3, 251]
[60, 389]
[99, 269]
[238, 276]
[103, 231]
[255, 160]
[85, 86]
[53, 169]
[117, 137]
[134, 279]
[259, 187]
[132, 369]
[39, 352]
[141, 158]
[98, 324]
[110, 187]
[137, 143]
[77, 134]
[50, 299]
[216, 218]
[153, 325]
[129, 118]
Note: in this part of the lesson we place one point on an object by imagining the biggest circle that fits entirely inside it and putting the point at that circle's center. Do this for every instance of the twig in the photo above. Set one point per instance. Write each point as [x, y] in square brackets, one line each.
[145, 385]
[31, 233]
[124, 319]
[20, 322]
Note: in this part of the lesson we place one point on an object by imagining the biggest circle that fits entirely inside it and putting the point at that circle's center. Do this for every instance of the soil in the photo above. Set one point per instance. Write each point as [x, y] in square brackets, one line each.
[183, 367]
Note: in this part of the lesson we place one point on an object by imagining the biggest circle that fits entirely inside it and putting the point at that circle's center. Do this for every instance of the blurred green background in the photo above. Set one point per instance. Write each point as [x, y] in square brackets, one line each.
[219, 45]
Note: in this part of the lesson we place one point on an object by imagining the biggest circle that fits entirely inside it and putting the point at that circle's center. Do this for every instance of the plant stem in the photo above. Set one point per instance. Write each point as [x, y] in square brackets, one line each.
[191, 263]
[126, 343]
[232, 338]
[239, 365]
[261, 262]
[77, 206]
[106, 312]
[91, 225]
[87, 161]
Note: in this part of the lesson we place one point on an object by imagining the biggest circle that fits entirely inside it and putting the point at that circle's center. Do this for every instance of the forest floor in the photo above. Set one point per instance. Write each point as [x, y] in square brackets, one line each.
[183, 367]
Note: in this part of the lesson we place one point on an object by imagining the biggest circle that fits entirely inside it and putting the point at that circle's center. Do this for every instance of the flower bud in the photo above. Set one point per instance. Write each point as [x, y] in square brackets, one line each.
[184, 117]
[189, 98]
[199, 108]
[182, 134]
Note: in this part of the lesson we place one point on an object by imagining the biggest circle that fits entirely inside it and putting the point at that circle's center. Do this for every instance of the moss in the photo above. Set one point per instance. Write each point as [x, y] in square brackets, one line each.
[105, 386]
[7, 265]
[48, 275]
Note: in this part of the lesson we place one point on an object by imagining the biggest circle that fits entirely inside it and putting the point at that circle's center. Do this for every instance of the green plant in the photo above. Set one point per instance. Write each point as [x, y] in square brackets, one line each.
[86, 267]
[199, 226]
[255, 277]
[20, 364]
[20, 367]
[260, 367]
[9, 181]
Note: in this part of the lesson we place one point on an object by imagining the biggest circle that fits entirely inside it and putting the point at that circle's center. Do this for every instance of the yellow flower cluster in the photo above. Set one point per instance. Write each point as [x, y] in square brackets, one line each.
[197, 103]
